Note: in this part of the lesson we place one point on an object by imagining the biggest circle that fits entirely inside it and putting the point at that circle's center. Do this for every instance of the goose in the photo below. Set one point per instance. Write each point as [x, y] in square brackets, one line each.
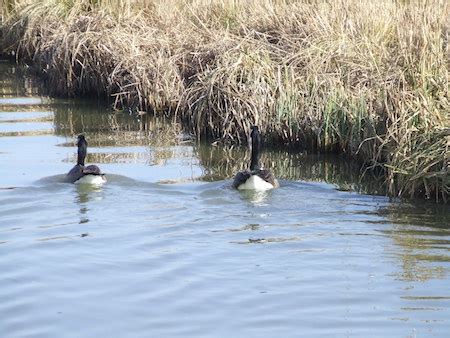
[81, 174]
[256, 178]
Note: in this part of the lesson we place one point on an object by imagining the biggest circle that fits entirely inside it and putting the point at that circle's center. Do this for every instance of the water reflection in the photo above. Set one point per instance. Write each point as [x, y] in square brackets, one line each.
[422, 232]
[223, 162]
[85, 195]
[268, 240]
[93, 118]
[255, 197]
[16, 81]
[114, 128]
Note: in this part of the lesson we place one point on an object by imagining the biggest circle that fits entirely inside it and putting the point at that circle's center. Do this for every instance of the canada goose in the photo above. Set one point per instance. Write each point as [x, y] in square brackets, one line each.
[81, 174]
[255, 178]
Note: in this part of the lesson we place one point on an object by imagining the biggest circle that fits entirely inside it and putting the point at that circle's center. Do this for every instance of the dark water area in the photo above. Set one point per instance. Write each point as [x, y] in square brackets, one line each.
[167, 249]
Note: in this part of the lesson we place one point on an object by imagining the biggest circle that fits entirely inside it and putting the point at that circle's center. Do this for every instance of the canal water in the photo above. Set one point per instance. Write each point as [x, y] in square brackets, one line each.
[167, 249]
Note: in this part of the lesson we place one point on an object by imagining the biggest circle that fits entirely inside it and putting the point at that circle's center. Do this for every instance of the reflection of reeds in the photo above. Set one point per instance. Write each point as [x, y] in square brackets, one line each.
[91, 117]
[118, 129]
[225, 162]
[14, 81]
[421, 231]
[331, 76]
[114, 128]
[26, 133]
[108, 157]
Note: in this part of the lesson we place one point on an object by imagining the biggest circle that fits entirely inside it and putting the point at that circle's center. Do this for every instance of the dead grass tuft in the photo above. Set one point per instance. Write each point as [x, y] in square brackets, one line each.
[328, 76]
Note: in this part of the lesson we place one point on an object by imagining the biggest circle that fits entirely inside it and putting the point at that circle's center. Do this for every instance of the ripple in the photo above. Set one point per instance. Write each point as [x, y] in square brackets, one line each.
[26, 133]
[21, 101]
[25, 117]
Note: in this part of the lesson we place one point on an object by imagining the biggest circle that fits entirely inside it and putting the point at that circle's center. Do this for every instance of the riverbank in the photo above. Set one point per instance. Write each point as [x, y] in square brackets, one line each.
[328, 77]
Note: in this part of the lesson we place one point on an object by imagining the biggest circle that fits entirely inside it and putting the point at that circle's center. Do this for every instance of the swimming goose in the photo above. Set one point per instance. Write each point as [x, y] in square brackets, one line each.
[256, 178]
[81, 174]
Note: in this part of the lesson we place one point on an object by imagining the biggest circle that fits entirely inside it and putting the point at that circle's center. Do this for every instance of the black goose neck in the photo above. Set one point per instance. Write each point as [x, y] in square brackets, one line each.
[256, 148]
[82, 150]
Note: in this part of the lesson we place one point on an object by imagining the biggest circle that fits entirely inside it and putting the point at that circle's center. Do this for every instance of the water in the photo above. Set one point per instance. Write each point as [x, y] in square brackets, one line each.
[167, 249]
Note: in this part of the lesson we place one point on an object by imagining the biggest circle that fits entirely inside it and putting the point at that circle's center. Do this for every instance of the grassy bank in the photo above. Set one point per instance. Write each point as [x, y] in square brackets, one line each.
[367, 78]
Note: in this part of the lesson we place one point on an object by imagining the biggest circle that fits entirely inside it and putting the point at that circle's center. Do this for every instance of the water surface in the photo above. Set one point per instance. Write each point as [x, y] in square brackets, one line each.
[167, 249]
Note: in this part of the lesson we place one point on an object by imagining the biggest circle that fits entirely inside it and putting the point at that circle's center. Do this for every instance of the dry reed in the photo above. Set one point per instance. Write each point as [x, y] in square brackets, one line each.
[327, 76]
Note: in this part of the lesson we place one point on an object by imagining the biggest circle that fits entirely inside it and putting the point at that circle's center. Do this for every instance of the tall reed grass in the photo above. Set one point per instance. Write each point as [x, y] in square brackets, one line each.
[367, 78]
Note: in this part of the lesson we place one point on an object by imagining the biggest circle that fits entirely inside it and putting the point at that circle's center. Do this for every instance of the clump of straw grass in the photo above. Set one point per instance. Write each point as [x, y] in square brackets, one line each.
[327, 76]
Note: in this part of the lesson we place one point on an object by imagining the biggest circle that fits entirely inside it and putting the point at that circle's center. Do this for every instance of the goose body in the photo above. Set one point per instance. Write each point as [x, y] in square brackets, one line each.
[81, 174]
[91, 179]
[256, 178]
[253, 182]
